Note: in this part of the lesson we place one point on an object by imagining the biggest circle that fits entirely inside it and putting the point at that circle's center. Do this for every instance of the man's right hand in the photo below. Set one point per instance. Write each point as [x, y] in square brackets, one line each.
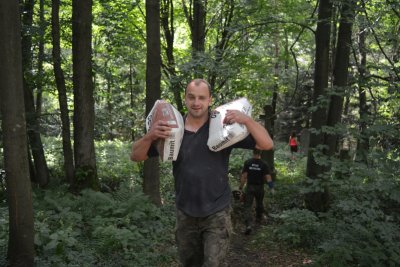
[160, 129]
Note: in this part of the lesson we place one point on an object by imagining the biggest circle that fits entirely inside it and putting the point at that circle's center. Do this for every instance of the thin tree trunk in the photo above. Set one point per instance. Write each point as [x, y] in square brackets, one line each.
[109, 102]
[199, 26]
[84, 151]
[196, 18]
[363, 141]
[318, 201]
[223, 39]
[132, 96]
[19, 196]
[268, 155]
[151, 181]
[32, 122]
[167, 23]
[62, 94]
[340, 73]
[39, 84]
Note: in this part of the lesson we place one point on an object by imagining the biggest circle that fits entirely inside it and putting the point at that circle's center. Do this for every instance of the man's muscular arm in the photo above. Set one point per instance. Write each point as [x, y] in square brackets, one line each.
[140, 148]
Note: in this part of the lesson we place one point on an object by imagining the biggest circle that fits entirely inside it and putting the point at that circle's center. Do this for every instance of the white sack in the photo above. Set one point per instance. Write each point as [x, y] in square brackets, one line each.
[167, 148]
[224, 135]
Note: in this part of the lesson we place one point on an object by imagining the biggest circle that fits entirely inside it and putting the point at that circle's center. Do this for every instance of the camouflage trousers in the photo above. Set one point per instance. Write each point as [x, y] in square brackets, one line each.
[203, 241]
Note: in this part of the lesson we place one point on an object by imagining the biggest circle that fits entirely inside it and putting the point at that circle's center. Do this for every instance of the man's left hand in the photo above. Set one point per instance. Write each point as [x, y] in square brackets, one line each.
[233, 116]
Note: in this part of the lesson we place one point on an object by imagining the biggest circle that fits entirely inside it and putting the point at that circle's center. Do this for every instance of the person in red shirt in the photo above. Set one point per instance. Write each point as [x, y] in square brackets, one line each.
[293, 144]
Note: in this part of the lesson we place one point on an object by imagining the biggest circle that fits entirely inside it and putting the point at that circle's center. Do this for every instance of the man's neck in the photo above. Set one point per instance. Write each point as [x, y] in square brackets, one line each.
[193, 123]
[196, 121]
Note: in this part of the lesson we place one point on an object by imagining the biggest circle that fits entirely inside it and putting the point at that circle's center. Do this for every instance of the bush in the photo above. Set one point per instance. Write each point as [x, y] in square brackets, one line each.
[299, 228]
[363, 220]
[121, 228]
[361, 227]
[360, 244]
[3, 235]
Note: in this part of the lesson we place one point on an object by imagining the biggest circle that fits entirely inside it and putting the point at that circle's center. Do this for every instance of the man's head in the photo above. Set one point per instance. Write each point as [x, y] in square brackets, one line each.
[198, 82]
[198, 98]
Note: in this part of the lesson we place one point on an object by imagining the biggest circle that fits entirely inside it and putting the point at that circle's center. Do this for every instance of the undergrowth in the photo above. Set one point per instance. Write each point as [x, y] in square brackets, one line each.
[121, 227]
[102, 229]
[118, 226]
[361, 227]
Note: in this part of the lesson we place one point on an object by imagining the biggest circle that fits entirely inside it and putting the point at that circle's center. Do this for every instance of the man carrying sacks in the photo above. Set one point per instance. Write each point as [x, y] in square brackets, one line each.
[203, 225]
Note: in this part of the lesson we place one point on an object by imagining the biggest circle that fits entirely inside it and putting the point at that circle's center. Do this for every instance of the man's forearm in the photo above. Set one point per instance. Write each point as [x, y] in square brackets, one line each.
[140, 149]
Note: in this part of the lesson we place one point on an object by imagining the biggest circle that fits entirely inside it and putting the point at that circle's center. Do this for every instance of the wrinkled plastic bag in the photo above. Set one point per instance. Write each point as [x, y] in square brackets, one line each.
[168, 148]
[224, 135]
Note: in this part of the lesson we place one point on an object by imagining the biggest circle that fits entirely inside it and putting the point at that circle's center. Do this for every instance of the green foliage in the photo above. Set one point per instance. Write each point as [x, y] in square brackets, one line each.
[236, 161]
[368, 242]
[363, 222]
[290, 171]
[266, 52]
[3, 194]
[361, 227]
[113, 163]
[3, 235]
[120, 228]
[54, 156]
[299, 228]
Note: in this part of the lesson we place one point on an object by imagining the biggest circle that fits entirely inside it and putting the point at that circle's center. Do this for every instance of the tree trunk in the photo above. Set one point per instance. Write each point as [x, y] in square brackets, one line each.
[167, 23]
[318, 201]
[268, 155]
[363, 141]
[41, 56]
[32, 122]
[151, 180]
[19, 196]
[196, 18]
[198, 26]
[222, 40]
[62, 93]
[340, 73]
[132, 86]
[109, 102]
[84, 151]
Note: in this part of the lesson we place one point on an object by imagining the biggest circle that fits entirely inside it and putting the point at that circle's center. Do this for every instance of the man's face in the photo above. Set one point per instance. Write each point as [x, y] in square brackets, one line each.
[197, 100]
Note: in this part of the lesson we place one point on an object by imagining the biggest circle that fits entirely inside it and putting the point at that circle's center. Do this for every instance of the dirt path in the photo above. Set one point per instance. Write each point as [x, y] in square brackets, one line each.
[241, 254]
[244, 252]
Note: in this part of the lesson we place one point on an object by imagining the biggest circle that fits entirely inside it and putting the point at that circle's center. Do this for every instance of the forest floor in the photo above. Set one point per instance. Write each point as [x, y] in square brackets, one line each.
[246, 251]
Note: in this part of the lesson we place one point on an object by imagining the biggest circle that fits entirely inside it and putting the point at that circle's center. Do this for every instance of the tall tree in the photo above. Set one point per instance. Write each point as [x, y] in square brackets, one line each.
[362, 142]
[167, 23]
[151, 180]
[318, 201]
[21, 230]
[340, 72]
[62, 93]
[40, 60]
[225, 33]
[41, 175]
[196, 16]
[84, 151]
